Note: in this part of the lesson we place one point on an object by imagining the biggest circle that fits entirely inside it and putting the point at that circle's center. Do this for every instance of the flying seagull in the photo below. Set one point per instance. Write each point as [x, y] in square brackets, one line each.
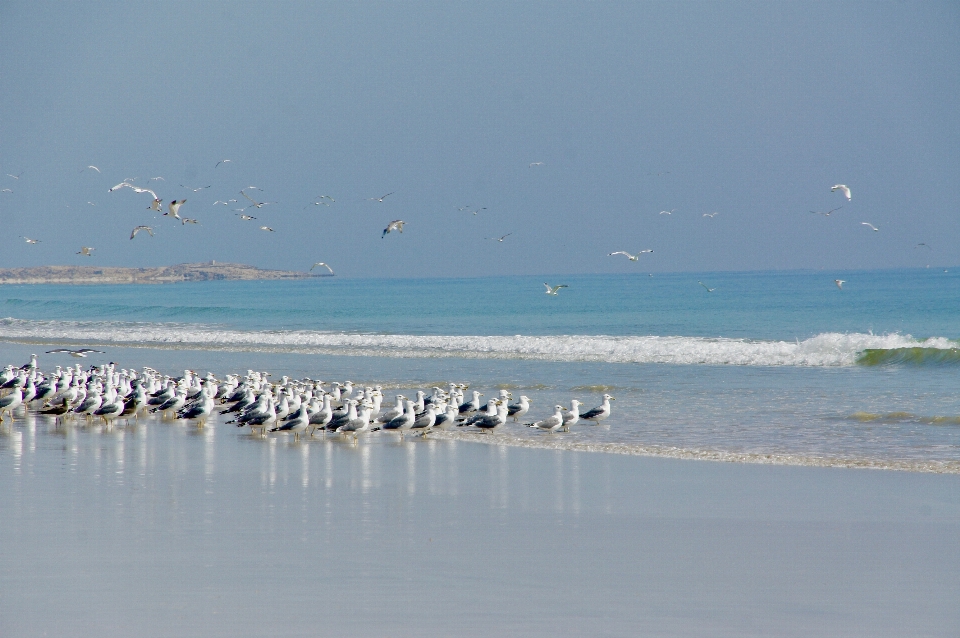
[173, 209]
[396, 225]
[840, 283]
[255, 202]
[711, 215]
[629, 256]
[194, 189]
[826, 214]
[224, 161]
[668, 212]
[268, 229]
[153, 179]
[17, 176]
[872, 227]
[479, 209]
[705, 286]
[532, 164]
[924, 245]
[7, 190]
[138, 229]
[320, 263]
[155, 204]
[246, 217]
[843, 189]
[30, 241]
[500, 239]
[552, 290]
[94, 168]
[86, 251]
[187, 220]
[82, 352]
[380, 199]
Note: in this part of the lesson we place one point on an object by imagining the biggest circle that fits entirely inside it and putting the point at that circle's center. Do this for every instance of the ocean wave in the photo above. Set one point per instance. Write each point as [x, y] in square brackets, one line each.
[827, 349]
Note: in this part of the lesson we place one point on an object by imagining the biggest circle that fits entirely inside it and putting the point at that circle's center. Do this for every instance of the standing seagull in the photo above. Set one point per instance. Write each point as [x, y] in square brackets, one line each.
[599, 413]
[86, 251]
[139, 228]
[320, 263]
[552, 290]
[173, 209]
[551, 423]
[396, 225]
[629, 256]
[872, 227]
[843, 189]
[839, 283]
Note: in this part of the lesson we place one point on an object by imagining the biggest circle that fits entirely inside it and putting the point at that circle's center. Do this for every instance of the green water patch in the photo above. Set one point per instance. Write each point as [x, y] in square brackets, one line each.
[910, 356]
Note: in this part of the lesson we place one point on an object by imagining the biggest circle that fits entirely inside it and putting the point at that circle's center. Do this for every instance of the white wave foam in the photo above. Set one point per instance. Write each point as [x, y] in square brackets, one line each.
[827, 349]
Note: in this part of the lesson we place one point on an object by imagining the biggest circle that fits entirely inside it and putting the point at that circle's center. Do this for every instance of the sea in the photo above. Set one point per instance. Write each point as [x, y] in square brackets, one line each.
[746, 367]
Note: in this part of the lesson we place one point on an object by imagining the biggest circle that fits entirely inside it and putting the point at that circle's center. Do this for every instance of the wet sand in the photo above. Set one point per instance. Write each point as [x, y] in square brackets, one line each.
[160, 530]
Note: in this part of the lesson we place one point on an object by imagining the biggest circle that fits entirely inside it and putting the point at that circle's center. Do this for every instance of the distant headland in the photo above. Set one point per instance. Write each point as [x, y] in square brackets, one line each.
[206, 271]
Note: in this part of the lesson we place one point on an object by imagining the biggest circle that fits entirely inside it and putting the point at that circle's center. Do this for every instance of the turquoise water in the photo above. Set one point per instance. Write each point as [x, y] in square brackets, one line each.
[776, 367]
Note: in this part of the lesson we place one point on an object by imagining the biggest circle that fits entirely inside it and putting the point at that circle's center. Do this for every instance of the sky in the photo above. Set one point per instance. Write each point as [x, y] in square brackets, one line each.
[569, 125]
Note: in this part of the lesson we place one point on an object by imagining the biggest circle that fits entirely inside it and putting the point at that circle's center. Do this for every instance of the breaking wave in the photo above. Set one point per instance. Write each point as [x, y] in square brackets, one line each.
[827, 349]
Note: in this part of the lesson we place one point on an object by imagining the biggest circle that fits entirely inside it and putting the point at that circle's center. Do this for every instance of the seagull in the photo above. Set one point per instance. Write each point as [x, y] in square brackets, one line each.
[137, 189]
[872, 227]
[479, 209]
[222, 162]
[15, 176]
[187, 220]
[924, 245]
[94, 168]
[705, 286]
[267, 228]
[138, 229]
[91, 203]
[194, 189]
[668, 212]
[599, 413]
[30, 241]
[552, 290]
[843, 189]
[123, 184]
[500, 239]
[7, 190]
[532, 164]
[551, 423]
[710, 215]
[255, 202]
[629, 256]
[320, 263]
[396, 225]
[154, 179]
[80, 354]
[328, 197]
[380, 199]
[246, 217]
[826, 214]
[173, 209]
[155, 205]
[87, 251]
[840, 283]
[463, 208]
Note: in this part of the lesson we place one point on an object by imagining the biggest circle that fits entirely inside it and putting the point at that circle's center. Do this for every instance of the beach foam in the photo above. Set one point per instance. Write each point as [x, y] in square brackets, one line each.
[826, 349]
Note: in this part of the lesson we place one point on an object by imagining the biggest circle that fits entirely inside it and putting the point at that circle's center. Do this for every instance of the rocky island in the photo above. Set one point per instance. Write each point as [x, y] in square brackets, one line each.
[163, 275]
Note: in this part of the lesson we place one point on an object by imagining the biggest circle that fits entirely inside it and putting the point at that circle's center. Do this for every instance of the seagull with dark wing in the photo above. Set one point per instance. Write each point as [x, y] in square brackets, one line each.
[629, 256]
[187, 220]
[30, 241]
[320, 263]
[380, 199]
[86, 251]
[396, 225]
[255, 202]
[224, 161]
[826, 214]
[173, 209]
[81, 353]
[138, 229]
[500, 239]
[267, 228]
[552, 290]
[245, 218]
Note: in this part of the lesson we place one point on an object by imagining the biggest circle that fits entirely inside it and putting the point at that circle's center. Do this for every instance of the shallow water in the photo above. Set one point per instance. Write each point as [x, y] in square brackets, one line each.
[161, 529]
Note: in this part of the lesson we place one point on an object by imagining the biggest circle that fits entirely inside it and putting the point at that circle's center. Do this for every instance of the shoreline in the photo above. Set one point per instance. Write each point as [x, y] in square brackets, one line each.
[206, 271]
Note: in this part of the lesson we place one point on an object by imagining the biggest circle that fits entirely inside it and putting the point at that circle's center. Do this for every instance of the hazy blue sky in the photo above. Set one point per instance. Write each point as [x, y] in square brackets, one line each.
[749, 109]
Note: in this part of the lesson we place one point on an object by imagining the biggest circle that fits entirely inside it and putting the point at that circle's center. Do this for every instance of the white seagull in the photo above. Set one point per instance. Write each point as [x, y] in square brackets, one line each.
[194, 189]
[138, 229]
[320, 263]
[839, 283]
[500, 239]
[843, 189]
[668, 212]
[705, 286]
[872, 227]
[826, 214]
[30, 241]
[81, 353]
[246, 217]
[94, 168]
[551, 423]
[710, 215]
[396, 225]
[629, 256]
[255, 202]
[532, 164]
[87, 251]
[267, 228]
[552, 290]
[224, 161]
[380, 199]
[173, 208]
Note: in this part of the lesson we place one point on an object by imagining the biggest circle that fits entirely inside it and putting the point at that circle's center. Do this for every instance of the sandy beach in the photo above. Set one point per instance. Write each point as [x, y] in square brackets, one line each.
[161, 529]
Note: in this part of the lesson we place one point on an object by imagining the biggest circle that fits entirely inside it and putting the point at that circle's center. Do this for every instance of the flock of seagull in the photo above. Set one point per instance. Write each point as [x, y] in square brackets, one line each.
[302, 406]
